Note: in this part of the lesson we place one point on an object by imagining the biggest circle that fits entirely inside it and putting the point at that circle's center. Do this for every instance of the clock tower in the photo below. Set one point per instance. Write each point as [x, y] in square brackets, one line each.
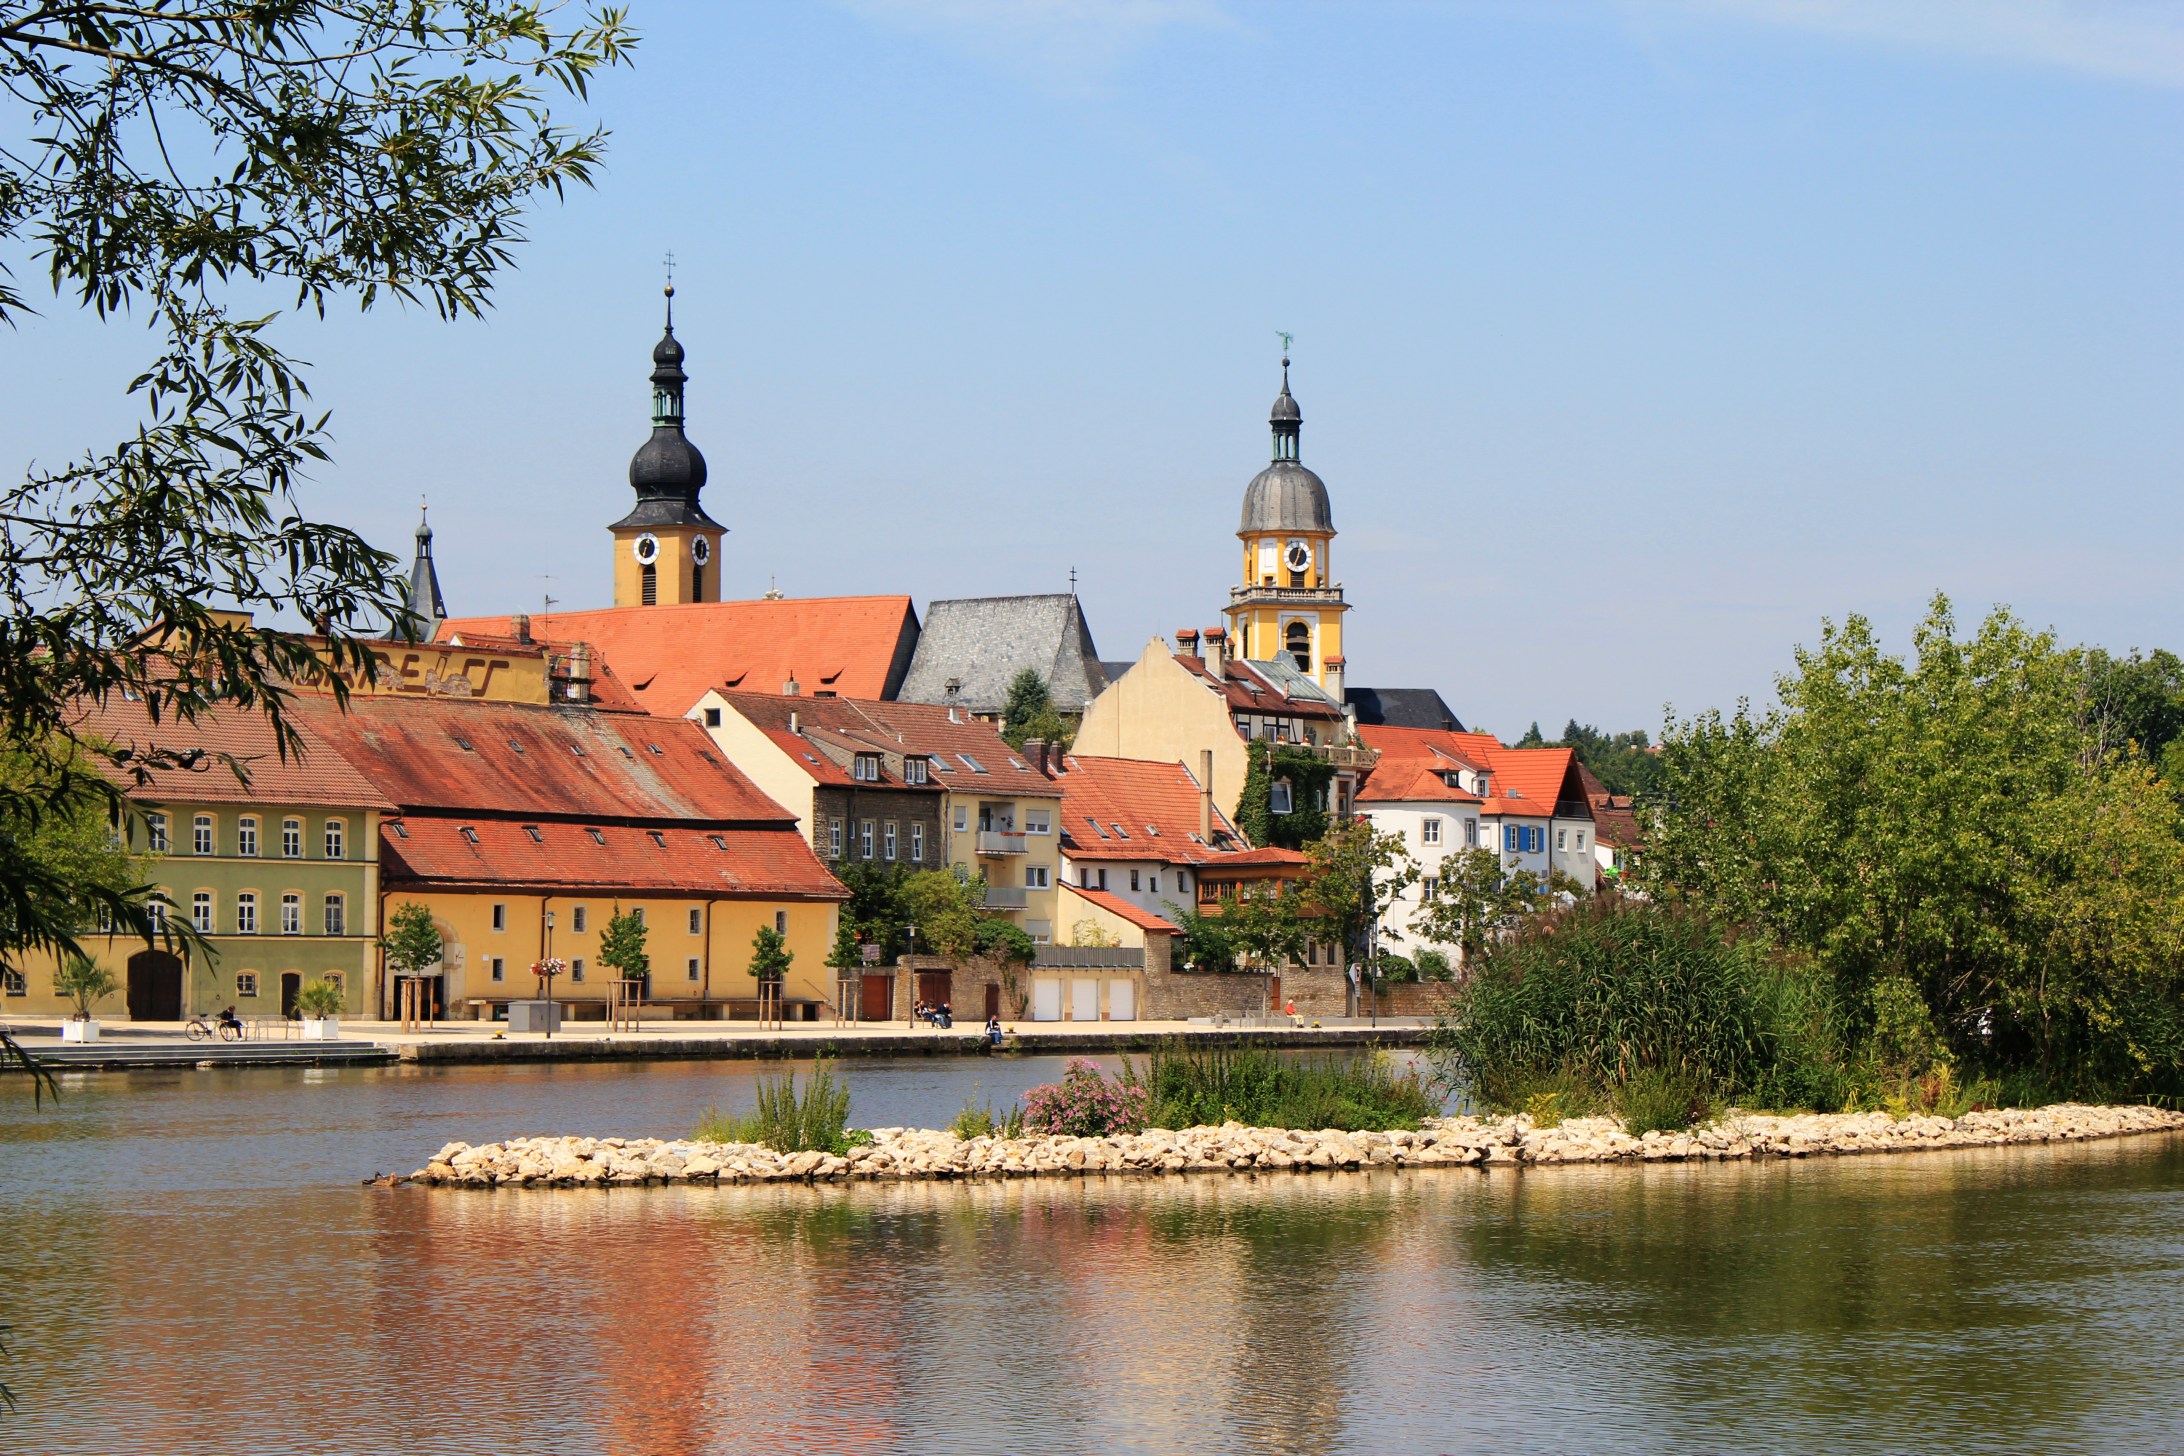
[1289, 605]
[667, 550]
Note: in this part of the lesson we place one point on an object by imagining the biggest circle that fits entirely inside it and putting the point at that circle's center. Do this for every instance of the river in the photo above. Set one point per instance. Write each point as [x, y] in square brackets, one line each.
[192, 1266]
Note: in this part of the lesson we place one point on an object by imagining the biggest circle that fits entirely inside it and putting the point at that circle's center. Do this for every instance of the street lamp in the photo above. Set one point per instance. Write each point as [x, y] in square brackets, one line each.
[910, 928]
[547, 965]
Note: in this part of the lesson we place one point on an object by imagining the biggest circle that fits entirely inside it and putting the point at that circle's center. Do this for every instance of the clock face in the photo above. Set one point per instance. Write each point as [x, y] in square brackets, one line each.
[1299, 556]
[701, 550]
[647, 548]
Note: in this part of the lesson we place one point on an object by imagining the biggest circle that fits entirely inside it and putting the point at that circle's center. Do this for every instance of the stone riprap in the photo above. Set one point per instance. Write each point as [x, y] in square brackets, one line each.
[917, 1153]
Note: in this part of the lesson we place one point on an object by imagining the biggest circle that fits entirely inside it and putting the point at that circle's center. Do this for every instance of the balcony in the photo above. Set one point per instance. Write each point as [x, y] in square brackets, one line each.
[1000, 841]
[1275, 593]
[1006, 897]
[1357, 758]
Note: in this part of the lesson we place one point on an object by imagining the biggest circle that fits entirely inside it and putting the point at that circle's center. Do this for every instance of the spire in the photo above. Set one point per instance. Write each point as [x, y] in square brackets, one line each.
[667, 372]
[667, 472]
[1286, 418]
[426, 610]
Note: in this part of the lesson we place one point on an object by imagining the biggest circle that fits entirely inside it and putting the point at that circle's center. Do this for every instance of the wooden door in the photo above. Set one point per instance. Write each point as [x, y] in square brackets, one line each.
[993, 1000]
[936, 988]
[155, 986]
[876, 998]
[1273, 995]
[291, 984]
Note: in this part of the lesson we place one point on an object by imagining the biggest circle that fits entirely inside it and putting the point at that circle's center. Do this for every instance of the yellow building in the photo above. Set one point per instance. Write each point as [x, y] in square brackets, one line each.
[1287, 603]
[667, 550]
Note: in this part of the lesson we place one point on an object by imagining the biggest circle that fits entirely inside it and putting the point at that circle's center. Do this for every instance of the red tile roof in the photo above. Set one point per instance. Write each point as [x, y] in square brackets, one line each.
[1411, 780]
[1524, 782]
[1137, 809]
[514, 759]
[320, 776]
[1114, 904]
[953, 739]
[454, 852]
[1257, 858]
[1245, 690]
[829, 729]
[854, 647]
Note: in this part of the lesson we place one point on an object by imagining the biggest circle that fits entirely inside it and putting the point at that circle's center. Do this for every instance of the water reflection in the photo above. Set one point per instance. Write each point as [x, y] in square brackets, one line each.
[2005, 1300]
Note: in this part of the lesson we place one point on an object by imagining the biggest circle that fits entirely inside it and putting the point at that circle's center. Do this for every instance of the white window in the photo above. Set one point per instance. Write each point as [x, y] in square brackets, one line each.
[1580, 841]
[500, 917]
[1429, 887]
[864, 839]
[1430, 832]
[497, 968]
[697, 922]
[1471, 833]
[13, 983]
[962, 818]
[865, 768]
[781, 922]
[1038, 821]
[917, 844]
[576, 969]
[691, 971]
[834, 839]
[291, 839]
[246, 836]
[201, 834]
[155, 829]
[246, 913]
[1512, 838]
[291, 914]
[1279, 799]
[337, 915]
[201, 911]
[887, 841]
[577, 918]
[913, 770]
[1562, 839]
[246, 983]
[334, 839]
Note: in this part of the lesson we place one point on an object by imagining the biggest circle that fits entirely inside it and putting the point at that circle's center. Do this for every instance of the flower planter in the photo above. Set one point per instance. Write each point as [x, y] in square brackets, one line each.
[322, 1028]
[79, 1031]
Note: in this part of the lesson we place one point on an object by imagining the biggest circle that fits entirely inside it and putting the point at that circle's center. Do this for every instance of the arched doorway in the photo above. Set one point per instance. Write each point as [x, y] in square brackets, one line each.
[1300, 645]
[155, 986]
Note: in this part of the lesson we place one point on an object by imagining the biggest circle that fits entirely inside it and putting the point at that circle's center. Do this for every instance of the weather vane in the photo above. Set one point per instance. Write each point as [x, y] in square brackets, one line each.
[671, 270]
[1285, 338]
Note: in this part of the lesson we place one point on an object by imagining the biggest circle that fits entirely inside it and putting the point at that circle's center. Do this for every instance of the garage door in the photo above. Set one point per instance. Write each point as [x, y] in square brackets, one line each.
[1084, 999]
[1046, 999]
[1122, 1000]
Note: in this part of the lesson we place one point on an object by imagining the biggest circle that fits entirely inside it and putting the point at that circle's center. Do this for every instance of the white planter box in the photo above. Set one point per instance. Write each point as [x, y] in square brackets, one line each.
[79, 1031]
[322, 1028]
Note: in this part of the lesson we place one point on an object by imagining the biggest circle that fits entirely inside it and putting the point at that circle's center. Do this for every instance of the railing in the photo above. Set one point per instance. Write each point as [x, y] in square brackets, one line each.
[1000, 841]
[1340, 757]
[1276, 592]
[1006, 897]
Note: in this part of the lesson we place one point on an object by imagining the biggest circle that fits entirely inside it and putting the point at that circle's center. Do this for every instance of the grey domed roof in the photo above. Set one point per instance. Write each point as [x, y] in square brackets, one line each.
[1286, 497]
[667, 464]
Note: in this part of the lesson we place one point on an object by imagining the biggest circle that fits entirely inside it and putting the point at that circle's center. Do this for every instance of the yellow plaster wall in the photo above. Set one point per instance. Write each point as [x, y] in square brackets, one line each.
[674, 563]
[1158, 710]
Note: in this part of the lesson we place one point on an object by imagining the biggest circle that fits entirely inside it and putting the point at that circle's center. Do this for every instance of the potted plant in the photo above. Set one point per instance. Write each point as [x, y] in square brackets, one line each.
[319, 1004]
[86, 983]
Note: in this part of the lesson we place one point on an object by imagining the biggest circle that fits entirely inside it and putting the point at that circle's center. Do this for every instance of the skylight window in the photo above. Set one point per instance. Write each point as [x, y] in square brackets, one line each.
[626, 753]
[400, 830]
[464, 744]
[971, 763]
[1153, 830]
[577, 749]
[536, 837]
[515, 745]
[657, 749]
[1120, 832]
[718, 843]
[659, 840]
[597, 837]
[1095, 826]
[470, 835]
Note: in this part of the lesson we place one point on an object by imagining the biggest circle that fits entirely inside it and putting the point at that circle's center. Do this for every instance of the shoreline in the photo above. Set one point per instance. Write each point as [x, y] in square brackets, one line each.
[1514, 1143]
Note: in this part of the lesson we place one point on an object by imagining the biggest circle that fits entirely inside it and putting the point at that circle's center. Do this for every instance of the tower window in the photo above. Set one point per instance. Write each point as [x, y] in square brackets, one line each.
[697, 583]
[1300, 645]
[649, 590]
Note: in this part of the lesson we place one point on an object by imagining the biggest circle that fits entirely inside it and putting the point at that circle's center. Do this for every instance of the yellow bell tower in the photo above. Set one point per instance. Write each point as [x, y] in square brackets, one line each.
[667, 550]
[1289, 604]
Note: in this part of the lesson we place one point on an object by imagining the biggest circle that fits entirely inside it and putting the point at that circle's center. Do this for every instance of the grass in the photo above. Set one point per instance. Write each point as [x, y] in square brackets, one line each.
[979, 1120]
[789, 1120]
[1205, 1084]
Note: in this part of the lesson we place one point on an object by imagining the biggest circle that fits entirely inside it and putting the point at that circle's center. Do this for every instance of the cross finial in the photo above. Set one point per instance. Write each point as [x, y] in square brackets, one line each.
[1072, 581]
[671, 271]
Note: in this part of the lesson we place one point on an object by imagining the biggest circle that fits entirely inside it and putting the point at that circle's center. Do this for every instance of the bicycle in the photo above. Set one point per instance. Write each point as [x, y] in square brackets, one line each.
[201, 1028]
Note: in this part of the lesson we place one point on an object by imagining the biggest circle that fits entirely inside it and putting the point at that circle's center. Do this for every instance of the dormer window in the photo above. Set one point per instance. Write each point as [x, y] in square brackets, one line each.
[865, 768]
[913, 770]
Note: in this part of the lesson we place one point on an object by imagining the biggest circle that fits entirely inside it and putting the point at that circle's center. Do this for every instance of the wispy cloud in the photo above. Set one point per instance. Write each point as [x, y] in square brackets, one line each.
[1066, 45]
[2132, 40]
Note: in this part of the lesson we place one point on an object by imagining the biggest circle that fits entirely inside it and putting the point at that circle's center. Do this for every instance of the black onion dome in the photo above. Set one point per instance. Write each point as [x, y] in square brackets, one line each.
[667, 464]
[667, 472]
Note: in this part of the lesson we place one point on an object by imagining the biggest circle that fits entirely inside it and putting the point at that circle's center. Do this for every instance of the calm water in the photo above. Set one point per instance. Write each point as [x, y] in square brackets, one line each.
[190, 1266]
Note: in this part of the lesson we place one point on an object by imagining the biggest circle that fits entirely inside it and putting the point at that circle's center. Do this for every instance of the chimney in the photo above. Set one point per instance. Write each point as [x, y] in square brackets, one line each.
[1334, 685]
[795, 729]
[792, 688]
[1205, 796]
[519, 627]
[1217, 652]
[1035, 754]
[1186, 642]
[580, 673]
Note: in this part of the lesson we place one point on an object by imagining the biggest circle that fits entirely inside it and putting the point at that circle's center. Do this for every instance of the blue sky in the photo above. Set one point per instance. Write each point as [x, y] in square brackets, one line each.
[1632, 338]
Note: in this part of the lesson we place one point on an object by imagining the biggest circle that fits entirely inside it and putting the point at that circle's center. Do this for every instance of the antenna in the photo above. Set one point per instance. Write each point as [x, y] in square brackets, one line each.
[548, 609]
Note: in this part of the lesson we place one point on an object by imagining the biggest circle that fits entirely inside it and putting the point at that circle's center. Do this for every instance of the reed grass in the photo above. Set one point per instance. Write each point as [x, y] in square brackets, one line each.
[787, 1119]
[1205, 1084]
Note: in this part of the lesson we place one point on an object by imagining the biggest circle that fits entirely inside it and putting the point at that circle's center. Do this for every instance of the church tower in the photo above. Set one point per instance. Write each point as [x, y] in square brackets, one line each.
[1289, 605]
[667, 550]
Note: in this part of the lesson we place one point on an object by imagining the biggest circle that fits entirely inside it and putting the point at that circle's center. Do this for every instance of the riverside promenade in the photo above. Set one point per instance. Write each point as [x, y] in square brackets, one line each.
[483, 1043]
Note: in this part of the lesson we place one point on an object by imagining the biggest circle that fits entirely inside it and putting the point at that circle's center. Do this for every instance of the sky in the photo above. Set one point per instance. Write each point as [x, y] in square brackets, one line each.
[1633, 337]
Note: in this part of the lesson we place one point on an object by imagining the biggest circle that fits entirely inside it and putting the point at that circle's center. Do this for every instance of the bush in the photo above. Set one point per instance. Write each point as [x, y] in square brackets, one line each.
[318, 1000]
[1655, 1100]
[1203, 1085]
[1618, 994]
[1432, 965]
[977, 1122]
[85, 983]
[1085, 1103]
[815, 1120]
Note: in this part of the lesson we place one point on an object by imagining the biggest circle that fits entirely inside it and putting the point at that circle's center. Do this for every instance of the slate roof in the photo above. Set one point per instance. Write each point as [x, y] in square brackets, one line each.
[851, 647]
[982, 643]
[518, 760]
[319, 776]
[1402, 708]
[1137, 809]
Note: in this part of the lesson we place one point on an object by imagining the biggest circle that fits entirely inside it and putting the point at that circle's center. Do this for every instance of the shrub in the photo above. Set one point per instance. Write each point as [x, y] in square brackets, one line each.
[85, 983]
[318, 1000]
[1203, 1085]
[1432, 965]
[786, 1120]
[1651, 1099]
[1085, 1103]
[977, 1122]
[1618, 991]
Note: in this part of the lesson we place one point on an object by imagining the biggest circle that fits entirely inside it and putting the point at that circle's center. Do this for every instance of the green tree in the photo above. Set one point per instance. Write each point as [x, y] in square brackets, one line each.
[1029, 713]
[622, 945]
[1476, 902]
[1204, 944]
[1625, 763]
[412, 942]
[945, 908]
[1307, 778]
[1353, 875]
[1268, 928]
[1957, 823]
[770, 955]
[186, 160]
[85, 983]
